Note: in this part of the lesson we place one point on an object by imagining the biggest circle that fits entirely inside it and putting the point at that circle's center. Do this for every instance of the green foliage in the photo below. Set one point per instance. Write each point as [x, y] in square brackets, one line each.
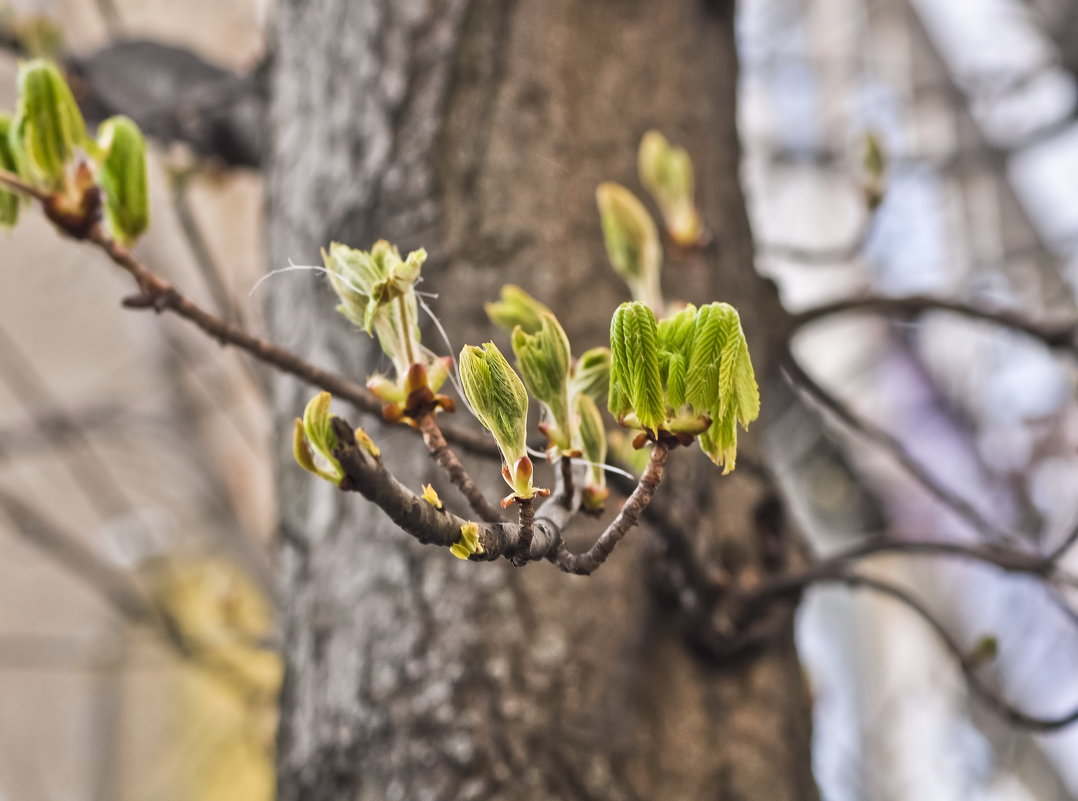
[468, 542]
[369, 281]
[635, 384]
[377, 293]
[516, 308]
[632, 242]
[9, 201]
[544, 360]
[592, 436]
[500, 401]
[313, 440]
[47, 131]
[666, 172]
[696, 363]
[123, 177]
[591, 375]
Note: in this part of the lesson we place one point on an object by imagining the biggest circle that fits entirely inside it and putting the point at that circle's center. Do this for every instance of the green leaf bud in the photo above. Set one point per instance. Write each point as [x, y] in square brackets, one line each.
[666, 172]
[632, 242]
[591, 374]
[313, 440]
[468, 542]
[9, 201]
[516, 308]
[48, 130]
[498, 398]
[592, 439]
[874, 170]
[123, 177]
[543, 359]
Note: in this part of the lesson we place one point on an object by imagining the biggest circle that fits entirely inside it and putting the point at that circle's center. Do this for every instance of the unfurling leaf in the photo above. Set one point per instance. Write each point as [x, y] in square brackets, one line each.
[632, 242]
[377, 293]
[123, 177]
[430, 495]
[313, 440]
[500, 401]
[543, 359]
[468, 542]
[635, 384]
[367, 281]
[666, 172]
[48, 130]
[591, 374]
[721, 381]
[516, 308]
[592, 438]
[9, 201]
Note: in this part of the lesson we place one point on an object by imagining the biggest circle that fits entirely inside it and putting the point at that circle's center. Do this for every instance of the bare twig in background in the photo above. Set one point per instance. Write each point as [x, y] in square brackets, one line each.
[803, 382]
[792, 586]
[1059, 334]
[101, 488]
[208, 267]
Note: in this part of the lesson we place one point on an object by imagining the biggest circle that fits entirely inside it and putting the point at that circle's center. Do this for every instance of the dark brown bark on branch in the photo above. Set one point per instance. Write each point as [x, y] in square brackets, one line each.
[480, 130]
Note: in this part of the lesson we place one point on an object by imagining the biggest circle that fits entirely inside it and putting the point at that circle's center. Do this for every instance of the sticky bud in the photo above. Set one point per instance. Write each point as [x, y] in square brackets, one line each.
[430, 495]
[9, 201]
[123, 177]
[468, 543]
[48, 129]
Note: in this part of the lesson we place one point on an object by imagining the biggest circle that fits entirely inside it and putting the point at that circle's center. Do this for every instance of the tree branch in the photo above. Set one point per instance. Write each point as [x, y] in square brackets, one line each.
[1057, 334]
[589, 561]
[792, 586]
[448, 461]
[158, 294]
[806, 384]
[367, 475]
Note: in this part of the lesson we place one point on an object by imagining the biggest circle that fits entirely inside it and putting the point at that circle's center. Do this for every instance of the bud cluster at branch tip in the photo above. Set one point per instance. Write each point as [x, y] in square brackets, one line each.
[45, 144]
[376, 289]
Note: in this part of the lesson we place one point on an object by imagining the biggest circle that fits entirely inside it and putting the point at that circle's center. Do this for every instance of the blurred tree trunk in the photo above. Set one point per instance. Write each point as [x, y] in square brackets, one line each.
[479, 130]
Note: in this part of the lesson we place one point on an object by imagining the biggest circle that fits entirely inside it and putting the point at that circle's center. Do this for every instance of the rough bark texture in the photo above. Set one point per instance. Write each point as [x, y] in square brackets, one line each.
[479, 129]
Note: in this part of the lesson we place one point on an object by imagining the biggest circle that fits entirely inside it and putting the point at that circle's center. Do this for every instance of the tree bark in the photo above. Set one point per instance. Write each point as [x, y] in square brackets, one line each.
[479, 129]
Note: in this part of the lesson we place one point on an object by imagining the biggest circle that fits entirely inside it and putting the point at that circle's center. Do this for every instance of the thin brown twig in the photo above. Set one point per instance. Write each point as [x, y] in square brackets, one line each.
[793, 586]
[1060, 334]
[589, 561]
[526, 520]
[445, 457]
[566, 465]
[158, 294]
[803, 382]
[117, 590]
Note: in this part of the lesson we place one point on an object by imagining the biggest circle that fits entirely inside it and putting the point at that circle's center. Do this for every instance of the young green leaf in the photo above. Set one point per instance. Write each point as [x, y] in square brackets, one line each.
[497, 396]
[635, 384]
[666, 172]
[592, 439]
[48, 130]
[313, 440]
[591, 374]
[123, 177]
[468, 543]
[632, 242]
[9, 201]
[516, 308]
[543, 360]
